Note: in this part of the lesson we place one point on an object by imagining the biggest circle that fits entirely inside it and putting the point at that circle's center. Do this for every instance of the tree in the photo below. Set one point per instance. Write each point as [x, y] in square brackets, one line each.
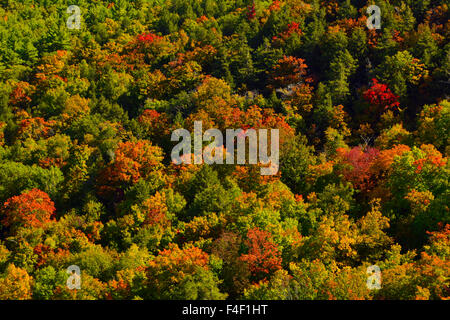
[362, 175]
[400, 72]
[434, 121]
[235, 272]
[132, 161]
[357, 165]
[288, 71]
[418, 183]
[341, 67]
[380, 96]
[188, 268]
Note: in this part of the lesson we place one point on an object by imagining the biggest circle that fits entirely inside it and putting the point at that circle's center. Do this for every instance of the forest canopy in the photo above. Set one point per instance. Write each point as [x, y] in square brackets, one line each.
[86, 178]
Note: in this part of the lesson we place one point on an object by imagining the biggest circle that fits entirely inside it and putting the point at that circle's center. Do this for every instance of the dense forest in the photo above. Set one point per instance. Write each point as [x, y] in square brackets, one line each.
[86, 178]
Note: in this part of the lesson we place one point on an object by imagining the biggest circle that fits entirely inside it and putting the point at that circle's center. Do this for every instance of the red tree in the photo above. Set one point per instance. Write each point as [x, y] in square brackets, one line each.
[31, 209]
[263, 256]
[288, 70]
[251, 12]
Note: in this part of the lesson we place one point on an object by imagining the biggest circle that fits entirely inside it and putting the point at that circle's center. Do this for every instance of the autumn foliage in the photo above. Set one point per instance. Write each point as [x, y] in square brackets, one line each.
[32, 209]
[263, 256]
[86, 171]
[380, 95]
